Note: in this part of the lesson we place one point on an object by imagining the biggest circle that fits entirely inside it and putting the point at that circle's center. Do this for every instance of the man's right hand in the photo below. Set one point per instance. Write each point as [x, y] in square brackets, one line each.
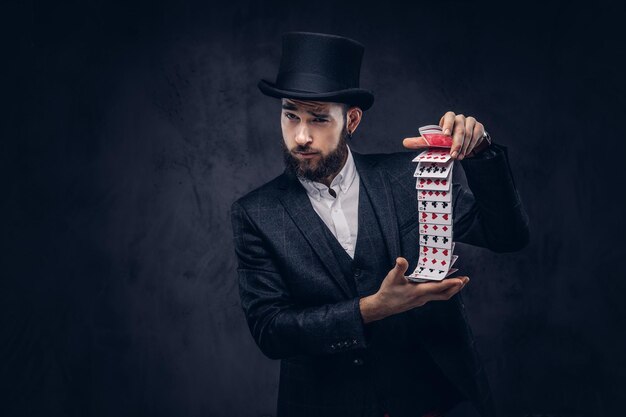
[397, 294]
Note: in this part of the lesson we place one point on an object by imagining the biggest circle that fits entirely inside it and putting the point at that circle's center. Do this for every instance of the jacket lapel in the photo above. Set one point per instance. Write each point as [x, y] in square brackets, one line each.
[299, 208]
[297, 204]
[376, 184]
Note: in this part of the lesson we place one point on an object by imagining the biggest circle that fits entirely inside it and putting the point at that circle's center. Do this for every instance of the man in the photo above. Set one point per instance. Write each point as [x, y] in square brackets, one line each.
[323, 249]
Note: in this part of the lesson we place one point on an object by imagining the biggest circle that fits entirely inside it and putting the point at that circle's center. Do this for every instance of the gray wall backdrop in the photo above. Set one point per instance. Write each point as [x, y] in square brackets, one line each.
[131, 128]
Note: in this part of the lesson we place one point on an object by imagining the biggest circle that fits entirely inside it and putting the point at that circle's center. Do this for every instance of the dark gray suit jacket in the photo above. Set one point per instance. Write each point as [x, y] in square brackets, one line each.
[298, 305]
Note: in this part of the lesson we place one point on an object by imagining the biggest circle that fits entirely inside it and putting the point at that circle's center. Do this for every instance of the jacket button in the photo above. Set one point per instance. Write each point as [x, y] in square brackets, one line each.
[357, 361]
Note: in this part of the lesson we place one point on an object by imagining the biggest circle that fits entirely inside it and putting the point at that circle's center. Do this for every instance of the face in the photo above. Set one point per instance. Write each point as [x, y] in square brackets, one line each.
[314, 138]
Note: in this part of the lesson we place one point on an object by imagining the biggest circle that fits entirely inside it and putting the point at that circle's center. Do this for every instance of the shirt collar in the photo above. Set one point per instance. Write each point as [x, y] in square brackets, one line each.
[343, 180]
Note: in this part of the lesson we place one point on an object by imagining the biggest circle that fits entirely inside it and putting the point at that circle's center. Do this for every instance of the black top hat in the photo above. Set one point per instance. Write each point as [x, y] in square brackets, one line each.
[319, 67]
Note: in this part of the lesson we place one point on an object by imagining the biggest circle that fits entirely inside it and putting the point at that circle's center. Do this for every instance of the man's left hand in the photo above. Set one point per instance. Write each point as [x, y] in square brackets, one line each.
[467, 136]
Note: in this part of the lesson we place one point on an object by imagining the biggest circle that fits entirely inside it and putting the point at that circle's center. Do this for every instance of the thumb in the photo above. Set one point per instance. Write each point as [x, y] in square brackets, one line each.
[415, 143]
[401, 266]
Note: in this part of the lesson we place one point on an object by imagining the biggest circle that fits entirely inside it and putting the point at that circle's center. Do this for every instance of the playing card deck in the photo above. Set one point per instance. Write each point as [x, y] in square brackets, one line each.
[434, 201]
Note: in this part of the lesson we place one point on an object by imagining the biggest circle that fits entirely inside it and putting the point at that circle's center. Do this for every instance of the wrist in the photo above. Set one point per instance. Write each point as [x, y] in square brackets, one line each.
[371, 308]
[484, 144]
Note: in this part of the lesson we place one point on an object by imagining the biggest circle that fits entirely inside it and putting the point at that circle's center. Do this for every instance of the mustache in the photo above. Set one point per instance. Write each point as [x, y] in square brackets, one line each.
[305, 149]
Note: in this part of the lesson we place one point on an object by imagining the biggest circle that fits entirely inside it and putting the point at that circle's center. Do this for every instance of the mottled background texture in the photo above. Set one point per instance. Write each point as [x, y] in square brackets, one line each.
[129, 129]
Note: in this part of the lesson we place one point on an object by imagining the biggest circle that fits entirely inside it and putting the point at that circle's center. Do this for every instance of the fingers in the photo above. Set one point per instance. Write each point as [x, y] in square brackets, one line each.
[470, 123]
[467, 133]
[414, 143]
[441, 290]
[446, 295]
[458, 136]
[447, 122]
[477, 138]
[454, 124]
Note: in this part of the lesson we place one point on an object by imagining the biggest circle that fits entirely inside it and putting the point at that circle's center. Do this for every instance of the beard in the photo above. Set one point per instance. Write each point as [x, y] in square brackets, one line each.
[326, 166]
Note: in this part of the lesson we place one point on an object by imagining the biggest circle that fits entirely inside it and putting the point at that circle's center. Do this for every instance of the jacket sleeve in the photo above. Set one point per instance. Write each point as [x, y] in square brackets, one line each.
[490, 213]
[280, 327]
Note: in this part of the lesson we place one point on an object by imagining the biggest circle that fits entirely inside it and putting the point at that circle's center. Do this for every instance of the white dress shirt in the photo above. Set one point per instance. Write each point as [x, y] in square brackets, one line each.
[340, 213]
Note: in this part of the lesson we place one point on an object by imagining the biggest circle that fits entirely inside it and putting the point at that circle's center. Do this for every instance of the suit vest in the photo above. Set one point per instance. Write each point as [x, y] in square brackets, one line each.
[397, 385]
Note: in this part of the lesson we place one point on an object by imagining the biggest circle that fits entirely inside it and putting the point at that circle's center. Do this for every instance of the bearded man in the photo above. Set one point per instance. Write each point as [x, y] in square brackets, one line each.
[324, 247]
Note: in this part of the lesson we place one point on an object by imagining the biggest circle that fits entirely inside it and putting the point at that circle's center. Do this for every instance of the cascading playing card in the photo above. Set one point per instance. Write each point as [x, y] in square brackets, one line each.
[433, 155]
[435, 206]
[435, 218]
[434, 195]
[436, 252]
[436, 230]
[441, 184]
[432, 170]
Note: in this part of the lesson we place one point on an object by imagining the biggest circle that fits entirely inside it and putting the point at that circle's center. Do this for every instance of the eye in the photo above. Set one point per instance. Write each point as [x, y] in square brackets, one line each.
[320, 120]
[291, 116]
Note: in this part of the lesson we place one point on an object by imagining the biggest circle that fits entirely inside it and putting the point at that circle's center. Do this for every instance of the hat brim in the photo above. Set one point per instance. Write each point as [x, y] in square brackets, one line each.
[354, 96]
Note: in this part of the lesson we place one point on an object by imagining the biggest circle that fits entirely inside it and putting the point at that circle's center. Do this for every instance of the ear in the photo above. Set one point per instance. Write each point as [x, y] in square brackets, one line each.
[353, 115]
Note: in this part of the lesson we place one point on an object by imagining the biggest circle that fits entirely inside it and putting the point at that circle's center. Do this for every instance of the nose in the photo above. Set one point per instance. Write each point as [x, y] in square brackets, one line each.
[302, 135]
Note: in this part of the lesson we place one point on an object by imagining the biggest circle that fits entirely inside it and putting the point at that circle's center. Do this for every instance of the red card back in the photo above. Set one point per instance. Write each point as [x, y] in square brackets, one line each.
[438, 140]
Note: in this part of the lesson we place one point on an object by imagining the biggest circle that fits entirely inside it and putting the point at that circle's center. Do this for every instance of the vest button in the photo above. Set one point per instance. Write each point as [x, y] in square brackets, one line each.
[357, 362]
[357, 272]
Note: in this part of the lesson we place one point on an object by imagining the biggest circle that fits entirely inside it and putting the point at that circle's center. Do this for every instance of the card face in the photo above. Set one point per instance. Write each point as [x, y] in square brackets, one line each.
[433, 169]
[435, 206]
[433, 155]
[437, 253]
[445, 263]
[429, 273]
[436, 230]
[434, 195]
[441, 242]
[441, 184]
[435, 218]
[435, 263]
[423, 278]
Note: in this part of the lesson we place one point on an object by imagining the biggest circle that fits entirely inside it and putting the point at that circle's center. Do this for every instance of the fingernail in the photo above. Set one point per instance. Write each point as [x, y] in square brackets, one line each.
[446, 132]
[461, 156]
[454, 154]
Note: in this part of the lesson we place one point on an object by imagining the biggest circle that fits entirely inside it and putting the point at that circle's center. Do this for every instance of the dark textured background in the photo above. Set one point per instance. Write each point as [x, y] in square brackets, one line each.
[130, 128]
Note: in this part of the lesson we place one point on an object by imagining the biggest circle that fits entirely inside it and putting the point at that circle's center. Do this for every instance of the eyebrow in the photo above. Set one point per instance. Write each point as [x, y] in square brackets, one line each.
[291, 106]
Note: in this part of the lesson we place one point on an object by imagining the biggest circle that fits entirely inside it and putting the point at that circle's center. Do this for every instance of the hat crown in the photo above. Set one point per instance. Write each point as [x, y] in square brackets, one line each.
[319, 66]
[318, 63]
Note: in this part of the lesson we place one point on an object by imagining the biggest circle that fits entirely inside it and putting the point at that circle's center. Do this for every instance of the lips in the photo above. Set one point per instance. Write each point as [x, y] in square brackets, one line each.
[307, 155]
